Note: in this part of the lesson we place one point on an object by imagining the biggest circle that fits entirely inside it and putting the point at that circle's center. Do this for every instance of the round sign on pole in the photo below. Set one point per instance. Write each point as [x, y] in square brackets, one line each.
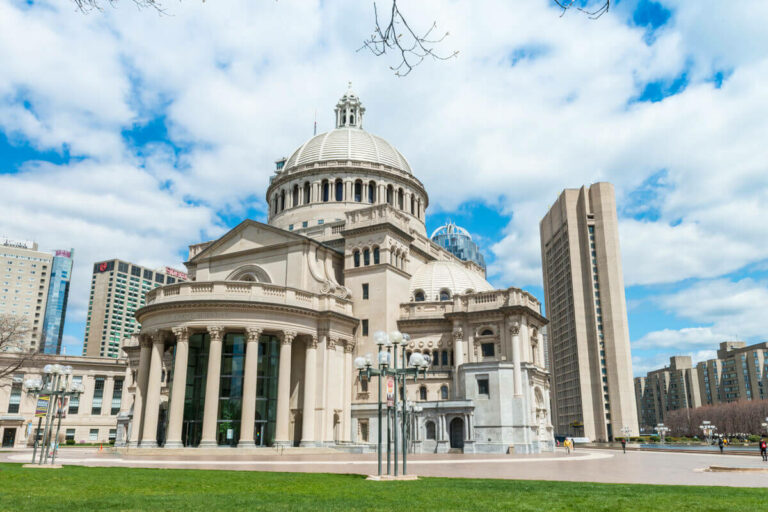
[390, 391]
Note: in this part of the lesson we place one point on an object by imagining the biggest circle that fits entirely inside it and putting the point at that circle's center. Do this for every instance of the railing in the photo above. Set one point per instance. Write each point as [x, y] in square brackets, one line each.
[247, 291]
[480, 301]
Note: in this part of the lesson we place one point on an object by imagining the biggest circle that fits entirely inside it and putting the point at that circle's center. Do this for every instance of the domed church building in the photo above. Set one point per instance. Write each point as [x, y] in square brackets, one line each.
[257, 348]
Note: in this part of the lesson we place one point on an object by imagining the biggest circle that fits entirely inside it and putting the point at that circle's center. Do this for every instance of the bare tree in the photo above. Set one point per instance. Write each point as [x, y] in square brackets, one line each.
[13, 332]
[594, 11]
[97, 5]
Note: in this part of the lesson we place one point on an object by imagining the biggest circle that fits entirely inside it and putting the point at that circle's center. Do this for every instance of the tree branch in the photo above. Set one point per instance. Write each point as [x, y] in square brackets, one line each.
[576, 4]
[398, 37]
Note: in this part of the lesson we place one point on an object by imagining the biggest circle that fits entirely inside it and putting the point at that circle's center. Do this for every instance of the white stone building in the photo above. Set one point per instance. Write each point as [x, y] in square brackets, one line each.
[274, 314]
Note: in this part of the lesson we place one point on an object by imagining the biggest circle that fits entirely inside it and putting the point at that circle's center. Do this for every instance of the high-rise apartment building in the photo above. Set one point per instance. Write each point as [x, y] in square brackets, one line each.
[666, 389]
[56, 304]
[117, 291]
[592, 390]
[739, 372]
[28, 286]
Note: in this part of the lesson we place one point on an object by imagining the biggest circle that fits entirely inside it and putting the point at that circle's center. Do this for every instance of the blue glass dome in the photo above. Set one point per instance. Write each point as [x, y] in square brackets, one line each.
[458, 242]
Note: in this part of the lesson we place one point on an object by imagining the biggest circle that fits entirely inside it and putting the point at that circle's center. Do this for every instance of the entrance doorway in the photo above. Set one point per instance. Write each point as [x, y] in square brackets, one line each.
[9, 437]
[457, 433]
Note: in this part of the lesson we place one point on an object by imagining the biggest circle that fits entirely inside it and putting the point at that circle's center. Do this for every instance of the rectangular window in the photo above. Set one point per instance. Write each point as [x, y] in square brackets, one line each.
[148, 275]
[365, 327]
[117, 396]
[290, 227]
[112, 435]
[70, 436]
[482, 387]
[488, 349]
[122, 267]
[321, 221]
[135, 271]
[74, 405]
[159, 278]
[15, 399]
[305, 224]
[365, 291]
[93, 434]
[364, 431]
[98, 395]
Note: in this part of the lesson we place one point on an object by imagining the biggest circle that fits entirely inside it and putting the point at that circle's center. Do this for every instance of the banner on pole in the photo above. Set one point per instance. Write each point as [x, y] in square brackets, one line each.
[390, 391]
[42, 406]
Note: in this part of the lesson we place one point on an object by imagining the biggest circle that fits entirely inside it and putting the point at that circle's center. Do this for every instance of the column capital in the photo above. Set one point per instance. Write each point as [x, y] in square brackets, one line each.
[216, 332]
[288, 337]
[145, 340]
[514, 328]
[254, 333]
[181, 333]
[349, 346]
[331, 342]
[312, 340]
[458, 334]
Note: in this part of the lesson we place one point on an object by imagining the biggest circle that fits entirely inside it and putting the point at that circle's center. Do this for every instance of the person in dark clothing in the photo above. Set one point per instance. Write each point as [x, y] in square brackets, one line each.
[764, 449]
[624, 445]
[720, 444]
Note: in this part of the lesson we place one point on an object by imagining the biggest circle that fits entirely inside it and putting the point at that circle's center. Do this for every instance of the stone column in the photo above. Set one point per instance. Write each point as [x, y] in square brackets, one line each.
[458, 342]
[149, 435]
[284, 390]
[125, 403]
[310, 394]
[211, 407]
[141, 390]
[248, 416]
[346, 432]
[178, 388]
[518, 374]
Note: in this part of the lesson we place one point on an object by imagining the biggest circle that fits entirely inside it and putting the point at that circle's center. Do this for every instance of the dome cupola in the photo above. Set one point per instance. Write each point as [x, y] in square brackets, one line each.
[349, 110]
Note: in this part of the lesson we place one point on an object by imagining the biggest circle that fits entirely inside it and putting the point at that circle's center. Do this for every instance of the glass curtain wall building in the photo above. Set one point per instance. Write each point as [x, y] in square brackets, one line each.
[458, 242]
[56, 305]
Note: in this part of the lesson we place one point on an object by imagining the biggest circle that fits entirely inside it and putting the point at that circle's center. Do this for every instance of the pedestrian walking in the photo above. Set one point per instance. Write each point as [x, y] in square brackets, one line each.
[720, 443]
[764, 449]
[624, 445]
[567, 444]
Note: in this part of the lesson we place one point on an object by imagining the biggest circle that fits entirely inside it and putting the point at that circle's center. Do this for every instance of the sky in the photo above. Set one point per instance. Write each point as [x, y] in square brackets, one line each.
[129, 134]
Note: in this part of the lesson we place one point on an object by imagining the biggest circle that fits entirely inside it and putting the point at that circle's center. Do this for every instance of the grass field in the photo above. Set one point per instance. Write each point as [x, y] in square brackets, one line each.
[81, 488]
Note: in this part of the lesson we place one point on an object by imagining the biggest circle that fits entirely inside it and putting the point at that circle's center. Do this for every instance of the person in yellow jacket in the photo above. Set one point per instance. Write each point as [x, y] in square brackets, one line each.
[568, 444]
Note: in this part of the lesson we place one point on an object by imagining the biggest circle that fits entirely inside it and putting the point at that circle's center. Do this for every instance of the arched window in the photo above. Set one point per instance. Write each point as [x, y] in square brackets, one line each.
[445, 294]
[372, 192]
[444, 392]
[282, 200]
[277, 203]
[366, 257]
[423, 393]
[400, 199]
[339, 190]
[295, 196]
[444, 358]
[418, 208]
[307, 192]
[430, 428]
[375, 255]
[356, 257]
[390, 192]
[358, 191]
[486, 332]
[413, 205]
[326, 191]
[418, 296]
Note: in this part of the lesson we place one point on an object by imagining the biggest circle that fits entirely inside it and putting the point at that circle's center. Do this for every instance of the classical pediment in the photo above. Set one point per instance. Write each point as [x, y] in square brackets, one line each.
[248, 235]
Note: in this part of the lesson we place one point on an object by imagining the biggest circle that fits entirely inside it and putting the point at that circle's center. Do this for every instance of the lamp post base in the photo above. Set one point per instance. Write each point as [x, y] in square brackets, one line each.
[391, 478]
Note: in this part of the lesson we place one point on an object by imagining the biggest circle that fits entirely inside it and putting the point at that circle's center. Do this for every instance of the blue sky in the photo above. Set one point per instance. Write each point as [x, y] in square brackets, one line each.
[128, 134]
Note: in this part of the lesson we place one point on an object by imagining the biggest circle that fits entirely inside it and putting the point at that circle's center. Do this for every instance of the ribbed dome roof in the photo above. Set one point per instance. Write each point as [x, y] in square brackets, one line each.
[438, 275]
[348, 144]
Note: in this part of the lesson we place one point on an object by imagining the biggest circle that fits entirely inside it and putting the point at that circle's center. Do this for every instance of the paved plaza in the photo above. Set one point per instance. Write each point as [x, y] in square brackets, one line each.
[585, 465]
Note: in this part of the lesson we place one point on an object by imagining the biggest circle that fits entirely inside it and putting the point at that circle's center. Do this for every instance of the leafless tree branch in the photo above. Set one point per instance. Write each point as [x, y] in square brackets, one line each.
[397, 36]
[86, 6]
[13, 331]
[595, 13]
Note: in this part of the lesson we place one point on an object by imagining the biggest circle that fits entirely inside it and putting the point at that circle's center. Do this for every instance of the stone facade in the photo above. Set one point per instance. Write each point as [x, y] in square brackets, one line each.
[90, 419]
[274, 314]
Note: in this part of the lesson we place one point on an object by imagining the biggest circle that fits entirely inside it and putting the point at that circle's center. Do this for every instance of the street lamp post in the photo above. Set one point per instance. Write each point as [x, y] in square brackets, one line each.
[57, 385]
[708, 429]
[765, 425]
[417, 365]
[662, 430]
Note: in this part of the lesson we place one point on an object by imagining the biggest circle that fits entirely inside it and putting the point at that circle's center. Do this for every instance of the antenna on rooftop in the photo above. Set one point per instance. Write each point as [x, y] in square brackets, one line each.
[315, 132]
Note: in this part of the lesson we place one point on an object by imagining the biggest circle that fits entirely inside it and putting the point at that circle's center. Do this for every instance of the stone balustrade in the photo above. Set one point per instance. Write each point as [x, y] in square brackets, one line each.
[247, 291]
[470, 302]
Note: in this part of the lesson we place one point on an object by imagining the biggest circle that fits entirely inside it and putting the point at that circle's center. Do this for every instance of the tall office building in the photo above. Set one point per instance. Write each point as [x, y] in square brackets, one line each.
[667, 389]
[739, 372]
[117, 291]
[592, 389]
[56, 304]
[24, 291]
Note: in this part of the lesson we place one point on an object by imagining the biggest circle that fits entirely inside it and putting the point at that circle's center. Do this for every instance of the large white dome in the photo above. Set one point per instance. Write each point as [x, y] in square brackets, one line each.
[446, 275]
[348, 143]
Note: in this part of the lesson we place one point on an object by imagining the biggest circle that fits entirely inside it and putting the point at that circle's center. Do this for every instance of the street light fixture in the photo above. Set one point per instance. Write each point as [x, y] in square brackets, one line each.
[387, 367]
[662, 430]
[56, 386]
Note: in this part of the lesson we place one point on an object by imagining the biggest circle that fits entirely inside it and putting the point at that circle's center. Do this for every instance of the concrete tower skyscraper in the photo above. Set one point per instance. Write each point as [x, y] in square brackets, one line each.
[592, 388]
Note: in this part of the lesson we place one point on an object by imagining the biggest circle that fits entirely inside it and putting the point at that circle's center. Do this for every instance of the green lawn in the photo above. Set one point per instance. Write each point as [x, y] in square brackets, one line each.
[81, 488]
